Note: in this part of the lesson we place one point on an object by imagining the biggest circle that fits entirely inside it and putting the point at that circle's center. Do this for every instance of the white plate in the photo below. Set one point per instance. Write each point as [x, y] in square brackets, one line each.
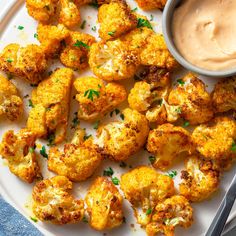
[13, 14]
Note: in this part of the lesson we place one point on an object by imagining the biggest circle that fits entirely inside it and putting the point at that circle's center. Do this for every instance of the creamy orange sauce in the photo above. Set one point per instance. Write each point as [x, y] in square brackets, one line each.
[204, 32]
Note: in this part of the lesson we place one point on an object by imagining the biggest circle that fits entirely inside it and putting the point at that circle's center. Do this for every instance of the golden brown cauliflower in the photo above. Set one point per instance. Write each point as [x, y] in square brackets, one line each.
[104, 205]
[95, 98]
[53, 202]
[144, 188]
[115, 18]
[224, 95]
[18, 150]
[50, 99]
[151, 4]
[11, 105]
[75, 53]
[28, 62]
[119, 140]
[166, 142]
[200, 179]
[215, 140]
[174, 211]
[194, 101]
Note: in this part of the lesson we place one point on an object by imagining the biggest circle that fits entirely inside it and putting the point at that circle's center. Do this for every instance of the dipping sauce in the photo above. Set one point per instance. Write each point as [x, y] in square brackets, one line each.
[204, 32]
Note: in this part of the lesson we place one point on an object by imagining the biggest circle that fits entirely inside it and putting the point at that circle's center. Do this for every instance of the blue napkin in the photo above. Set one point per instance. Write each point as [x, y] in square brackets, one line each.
[12, 223]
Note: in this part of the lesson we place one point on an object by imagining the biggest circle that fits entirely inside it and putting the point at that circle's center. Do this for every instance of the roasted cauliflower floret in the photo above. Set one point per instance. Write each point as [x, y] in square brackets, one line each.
[193, 99]
[75, 53]
[104, 205]
[151, 4]
[11, 105]
[224, 95]
[95, 98]
[51, 105]
[174, 211]
[51, 37]
[166, 142]
[144, 188]
[28, 62]
[112, 60]
[115, 18]
[18, 150]
[120, 140]
[200, 179]
[215, 140]
[53, 202]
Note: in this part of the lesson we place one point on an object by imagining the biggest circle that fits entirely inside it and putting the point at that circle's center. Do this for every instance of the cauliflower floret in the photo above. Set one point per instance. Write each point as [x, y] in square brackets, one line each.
[174, 211]
[115, 19]
[75, 54]
[28, 62]
[112, 60]
[51, 105]
[104, 205]
[193, 99]
[224, 95]
[18, 150]
[95, 98]
[51, 37]
[120, 140]
[166, 142]
[215, 140]
[42, 10]
[144, 188]
[11, 104]
[200, 179]
[53, 202]
[151, 4]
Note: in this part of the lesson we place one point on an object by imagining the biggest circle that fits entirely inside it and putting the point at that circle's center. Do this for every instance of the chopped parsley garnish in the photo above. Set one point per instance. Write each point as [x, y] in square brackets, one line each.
[96, 124]
[233, 148]
[80, 44]
[20, 27]
[123, 164]
[115, 181]
[180, 82]
[9, 60]
[91, 93]
[75, 121]
[34, 219]
[149, 211]
[186, 123]
[94, 28]
[31, 150]
[87, 136]
[85, 220]
[178, 110]
[152, 159]
[135, 9]
[108, 172]
[50, 73]
[151, 18]
[111, 33]
[122, 116]
[144, 23]
[31, 103]
[94, 4]
[172, 173]
[51, 139]
[83, 24]
[36, 36]
[43, 152]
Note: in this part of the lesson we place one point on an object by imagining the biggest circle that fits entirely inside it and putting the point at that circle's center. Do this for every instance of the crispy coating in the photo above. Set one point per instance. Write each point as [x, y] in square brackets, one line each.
[144, 188]
[53, 202]
[104, 205]
[199, 180]
[115, 18]
[174, 211]
[107, 97]
[51, 105]
[194, 101]
[151, 4]
[215, 140]
[11, 104]
[166, 142]
[75, 53]
[119, 140]
[18, 150]
[28, 62]
[224, 95]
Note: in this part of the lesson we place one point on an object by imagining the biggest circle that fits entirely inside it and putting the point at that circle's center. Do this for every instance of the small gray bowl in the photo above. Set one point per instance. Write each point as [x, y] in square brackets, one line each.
[167, 32]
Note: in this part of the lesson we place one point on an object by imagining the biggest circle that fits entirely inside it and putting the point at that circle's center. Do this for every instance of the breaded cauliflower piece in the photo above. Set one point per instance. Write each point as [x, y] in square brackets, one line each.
[18, 150]
[53, 202]
[119, 140]
[144, 188]
[11, 105]
[75, 53]
[151, 4]
[200, 179]
[51, 37]
[97, 98]
[28, 62]
[115, 18]
[42, 10]
[51, 105]
[112, 60]
[174, 211]
[215, 140]
[166, 142]
[104, 205]
[224, 95]
[194, 101]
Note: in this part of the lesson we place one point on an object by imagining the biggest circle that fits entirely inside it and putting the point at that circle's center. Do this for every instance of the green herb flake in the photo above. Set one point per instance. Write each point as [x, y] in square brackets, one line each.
[9, 60]
[152, 159]
[80, 44]
[75, 121]
[115, 181]
[43, 152]
[108, 172]
[151, 18]
[123, 164]
[31, 150]
[31, 103]
[96, 124]
[186, 123]
[94, 4]
[178, 110]
[87, 136]
[122, 116]
[144, 23]
[94, 28]
[180, 82]
[83, 24]
[20, 27]
[172, 173]
[51, 139]
[85, 220]
[36, 36]
[90, 93]
[149, 211]
[135, 9]
[233, 148]
[34, 219]
[111, 33]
